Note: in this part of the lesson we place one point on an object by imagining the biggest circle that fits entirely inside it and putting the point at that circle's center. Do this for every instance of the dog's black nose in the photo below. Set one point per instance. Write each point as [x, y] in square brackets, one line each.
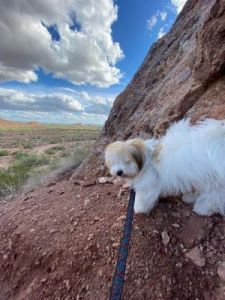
[119, 172]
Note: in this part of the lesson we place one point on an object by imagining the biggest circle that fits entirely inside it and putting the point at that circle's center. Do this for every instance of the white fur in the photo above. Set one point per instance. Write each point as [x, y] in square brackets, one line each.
[188, 160]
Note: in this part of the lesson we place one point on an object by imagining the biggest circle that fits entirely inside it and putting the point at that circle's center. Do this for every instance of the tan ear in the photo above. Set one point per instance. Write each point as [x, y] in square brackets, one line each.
[136, 148]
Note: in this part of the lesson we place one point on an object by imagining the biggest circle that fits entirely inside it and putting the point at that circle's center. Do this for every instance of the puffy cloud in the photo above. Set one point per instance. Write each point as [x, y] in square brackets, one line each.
[163, 15]
[71, 39]
[152, 22]
[179, 4]
[100, 105]
[11, 73]
[65, 102]
[18, 100]
[155, 18]
[161, 33]
[56, 117]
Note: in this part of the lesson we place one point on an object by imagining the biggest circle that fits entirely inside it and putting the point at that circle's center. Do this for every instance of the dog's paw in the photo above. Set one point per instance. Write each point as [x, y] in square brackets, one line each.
[140, 209]
[202, 209]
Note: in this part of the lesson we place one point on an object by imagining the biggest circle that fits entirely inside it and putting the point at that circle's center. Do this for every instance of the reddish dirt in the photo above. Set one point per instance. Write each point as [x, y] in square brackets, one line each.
[60, 242]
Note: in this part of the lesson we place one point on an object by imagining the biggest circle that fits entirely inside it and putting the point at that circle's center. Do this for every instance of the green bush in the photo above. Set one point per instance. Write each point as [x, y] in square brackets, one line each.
[4, 153]
[27, 145]
[55, 149]
[11, 180]
[58, 148]
[55, 140]
[19, 154]
[28, 169]
[30, 159]
[50, 151]
[79, 153]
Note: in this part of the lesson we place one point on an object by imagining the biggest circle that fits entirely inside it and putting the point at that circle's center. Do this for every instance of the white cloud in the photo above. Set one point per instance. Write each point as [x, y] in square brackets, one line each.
[155, 18]
[152, 22]
[163, 15]
[83, 53]
[161, 33]
[179, 4]
[69, 101]
[85, 95]
[45, 102]
[11, 73]
[57, 117]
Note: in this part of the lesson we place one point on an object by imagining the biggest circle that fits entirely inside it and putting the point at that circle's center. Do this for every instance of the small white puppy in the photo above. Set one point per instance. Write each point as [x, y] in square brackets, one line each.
[187, 159]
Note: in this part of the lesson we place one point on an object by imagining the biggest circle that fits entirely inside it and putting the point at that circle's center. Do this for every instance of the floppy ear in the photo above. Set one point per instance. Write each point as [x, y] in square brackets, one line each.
[136, 148]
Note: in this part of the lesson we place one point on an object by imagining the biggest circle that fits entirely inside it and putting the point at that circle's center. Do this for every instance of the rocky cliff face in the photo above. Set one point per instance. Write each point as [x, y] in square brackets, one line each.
[183, 75]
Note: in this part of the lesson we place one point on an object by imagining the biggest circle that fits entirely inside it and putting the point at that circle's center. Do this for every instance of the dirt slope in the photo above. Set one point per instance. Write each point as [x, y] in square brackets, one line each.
[60, 242]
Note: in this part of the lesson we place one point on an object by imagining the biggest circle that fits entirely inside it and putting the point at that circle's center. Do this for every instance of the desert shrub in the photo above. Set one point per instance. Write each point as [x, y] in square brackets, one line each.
[12, 179]
[54, 163]
[8, 183]
[4, 153]
[55, 140]
[50, 151]
[15, 143]
[58, 148]
[19, 154]
[55, 149]
[65, 153]
[80, 152]
[30, 159]
[27, 145]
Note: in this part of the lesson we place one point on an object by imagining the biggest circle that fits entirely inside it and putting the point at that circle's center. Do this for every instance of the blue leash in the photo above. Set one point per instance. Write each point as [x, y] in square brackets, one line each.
[118, 278]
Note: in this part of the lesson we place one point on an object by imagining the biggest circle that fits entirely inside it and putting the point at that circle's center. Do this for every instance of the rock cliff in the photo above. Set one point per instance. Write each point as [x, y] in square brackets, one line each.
[183, 75]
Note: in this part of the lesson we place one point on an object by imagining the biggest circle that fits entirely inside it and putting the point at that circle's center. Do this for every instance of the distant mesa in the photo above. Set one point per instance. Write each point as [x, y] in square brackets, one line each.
[13, 124]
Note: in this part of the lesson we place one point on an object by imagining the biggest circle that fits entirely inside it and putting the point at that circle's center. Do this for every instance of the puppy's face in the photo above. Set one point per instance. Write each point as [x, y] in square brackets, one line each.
[125, 159]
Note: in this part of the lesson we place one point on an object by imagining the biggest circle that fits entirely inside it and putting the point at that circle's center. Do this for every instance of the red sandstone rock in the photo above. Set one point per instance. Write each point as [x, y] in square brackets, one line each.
[196, 256]
[181, 76]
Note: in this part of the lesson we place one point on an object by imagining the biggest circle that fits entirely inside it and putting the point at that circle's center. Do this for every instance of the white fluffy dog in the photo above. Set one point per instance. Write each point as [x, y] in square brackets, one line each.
[187, 159]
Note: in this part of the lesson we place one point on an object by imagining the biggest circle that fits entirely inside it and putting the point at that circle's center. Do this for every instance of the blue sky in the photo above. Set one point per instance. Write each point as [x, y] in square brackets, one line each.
[66, 61]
